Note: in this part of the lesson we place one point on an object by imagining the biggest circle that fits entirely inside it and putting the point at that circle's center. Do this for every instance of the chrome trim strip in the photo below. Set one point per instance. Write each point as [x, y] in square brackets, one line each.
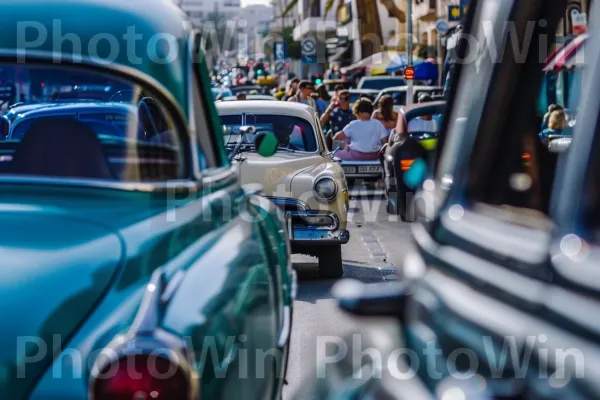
[172, 286]
[294, 290]
[286, 328]
[336, 220]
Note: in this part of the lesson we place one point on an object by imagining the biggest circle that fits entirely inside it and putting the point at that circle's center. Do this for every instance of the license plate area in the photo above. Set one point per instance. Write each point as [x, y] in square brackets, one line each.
[349, 170]
[370, 169]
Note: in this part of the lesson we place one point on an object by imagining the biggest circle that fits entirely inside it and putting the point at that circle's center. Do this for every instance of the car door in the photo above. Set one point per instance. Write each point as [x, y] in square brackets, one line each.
[483, 268]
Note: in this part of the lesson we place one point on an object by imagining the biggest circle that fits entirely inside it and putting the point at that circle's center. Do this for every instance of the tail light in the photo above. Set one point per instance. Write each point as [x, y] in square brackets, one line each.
[141, 377]
[405, 164]
[146, 363]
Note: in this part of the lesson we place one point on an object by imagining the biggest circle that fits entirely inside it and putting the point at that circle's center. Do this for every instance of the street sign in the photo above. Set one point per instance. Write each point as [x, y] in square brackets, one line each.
[441, 26]
[280, 51]
[409, 73]
[579, 21]
[454, 13]
[309, 51]
[280, 67]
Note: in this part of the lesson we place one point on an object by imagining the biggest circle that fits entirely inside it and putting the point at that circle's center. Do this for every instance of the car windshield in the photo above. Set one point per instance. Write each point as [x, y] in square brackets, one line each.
[423, 125]
[75, 123]
[293, 133]
[380, 84]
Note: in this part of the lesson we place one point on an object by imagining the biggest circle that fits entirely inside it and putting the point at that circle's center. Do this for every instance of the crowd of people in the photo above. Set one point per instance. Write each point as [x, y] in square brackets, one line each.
[363, 128]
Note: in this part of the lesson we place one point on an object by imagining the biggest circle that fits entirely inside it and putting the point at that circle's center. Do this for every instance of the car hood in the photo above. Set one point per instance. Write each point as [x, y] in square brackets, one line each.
[55, 269]
[275, 173]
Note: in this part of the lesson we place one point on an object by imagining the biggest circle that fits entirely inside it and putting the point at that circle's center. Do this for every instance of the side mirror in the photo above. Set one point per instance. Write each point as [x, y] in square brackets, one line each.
[376, 299]
[266, 144]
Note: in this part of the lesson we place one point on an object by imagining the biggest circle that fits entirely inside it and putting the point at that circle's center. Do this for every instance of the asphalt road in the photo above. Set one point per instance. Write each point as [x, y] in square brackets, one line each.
[377, 246]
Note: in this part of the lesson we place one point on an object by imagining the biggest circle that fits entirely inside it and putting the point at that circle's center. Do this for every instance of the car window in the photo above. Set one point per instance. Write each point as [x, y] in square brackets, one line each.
[293, 133]
[91, 139]
[380, 84]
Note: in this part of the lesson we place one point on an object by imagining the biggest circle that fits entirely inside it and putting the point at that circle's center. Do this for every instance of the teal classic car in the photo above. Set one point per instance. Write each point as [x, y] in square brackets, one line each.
[135, 265]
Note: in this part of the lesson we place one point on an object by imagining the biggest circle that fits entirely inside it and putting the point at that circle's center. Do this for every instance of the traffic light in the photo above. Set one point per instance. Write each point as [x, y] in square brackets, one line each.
[317, 79]
[259, 72]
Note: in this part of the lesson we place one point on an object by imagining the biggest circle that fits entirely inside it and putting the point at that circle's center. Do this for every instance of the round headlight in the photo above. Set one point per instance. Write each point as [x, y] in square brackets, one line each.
[325, 189]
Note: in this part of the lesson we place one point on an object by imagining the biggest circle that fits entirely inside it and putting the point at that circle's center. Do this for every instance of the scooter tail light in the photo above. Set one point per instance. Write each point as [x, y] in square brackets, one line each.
[405, 164]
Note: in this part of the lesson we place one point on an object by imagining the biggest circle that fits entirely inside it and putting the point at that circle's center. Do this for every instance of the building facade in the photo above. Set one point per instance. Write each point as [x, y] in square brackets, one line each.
[199, 10]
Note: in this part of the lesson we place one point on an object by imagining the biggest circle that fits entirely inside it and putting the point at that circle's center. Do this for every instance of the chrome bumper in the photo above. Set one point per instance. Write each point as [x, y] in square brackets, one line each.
[316, 235]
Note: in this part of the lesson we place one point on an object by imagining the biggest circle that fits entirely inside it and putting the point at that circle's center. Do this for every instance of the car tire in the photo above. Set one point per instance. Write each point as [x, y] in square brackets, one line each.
[330, 262]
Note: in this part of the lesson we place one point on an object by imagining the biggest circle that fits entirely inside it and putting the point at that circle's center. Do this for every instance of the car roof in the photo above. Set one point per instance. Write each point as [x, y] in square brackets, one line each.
[254, 97]
[52, 108]
[112, 18]
[266, 107]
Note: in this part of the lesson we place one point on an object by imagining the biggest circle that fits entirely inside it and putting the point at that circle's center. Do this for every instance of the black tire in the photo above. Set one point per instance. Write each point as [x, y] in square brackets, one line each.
[330, 262]
[401, 206]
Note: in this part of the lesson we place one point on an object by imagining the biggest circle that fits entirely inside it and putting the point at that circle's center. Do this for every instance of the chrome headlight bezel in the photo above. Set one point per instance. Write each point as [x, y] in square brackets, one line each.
[322, 198]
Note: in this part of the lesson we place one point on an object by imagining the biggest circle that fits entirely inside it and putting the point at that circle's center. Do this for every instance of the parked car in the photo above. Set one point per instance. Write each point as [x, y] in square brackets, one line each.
[302, 177]
[133, 252]
[380, 82]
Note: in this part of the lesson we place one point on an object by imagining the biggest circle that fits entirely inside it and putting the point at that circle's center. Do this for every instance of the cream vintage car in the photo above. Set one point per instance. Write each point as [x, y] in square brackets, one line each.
[301, 177]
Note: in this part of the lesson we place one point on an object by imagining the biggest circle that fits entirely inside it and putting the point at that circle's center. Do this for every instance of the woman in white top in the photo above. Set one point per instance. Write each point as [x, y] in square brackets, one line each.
[364, 137]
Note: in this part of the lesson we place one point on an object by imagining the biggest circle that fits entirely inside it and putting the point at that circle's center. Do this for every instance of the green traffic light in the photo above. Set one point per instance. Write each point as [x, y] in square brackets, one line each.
[259, 72]
[318, 81]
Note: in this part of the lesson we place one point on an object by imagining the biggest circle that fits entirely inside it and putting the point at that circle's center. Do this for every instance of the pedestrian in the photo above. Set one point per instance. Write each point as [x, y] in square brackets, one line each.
[551, 109]
[338, 89]
[323, 99]
[292, 88]
[305, 89]
[363, 137]
[557, 123]
[337, 116]
[241, 96]
[386, 114]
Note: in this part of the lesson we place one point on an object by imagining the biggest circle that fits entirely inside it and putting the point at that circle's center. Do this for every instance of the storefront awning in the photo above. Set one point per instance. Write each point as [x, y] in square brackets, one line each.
[570, 55]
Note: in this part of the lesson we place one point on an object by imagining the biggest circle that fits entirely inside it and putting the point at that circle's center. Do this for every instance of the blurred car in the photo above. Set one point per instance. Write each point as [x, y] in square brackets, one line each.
[220, 91]
[410, 141]
[132, 251]
[301, 178]
[380, 82]
[245, 88]
[398, 93]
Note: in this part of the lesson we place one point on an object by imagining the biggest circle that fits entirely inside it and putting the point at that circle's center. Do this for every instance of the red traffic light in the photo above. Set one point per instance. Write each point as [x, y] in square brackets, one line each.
[409, 73]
